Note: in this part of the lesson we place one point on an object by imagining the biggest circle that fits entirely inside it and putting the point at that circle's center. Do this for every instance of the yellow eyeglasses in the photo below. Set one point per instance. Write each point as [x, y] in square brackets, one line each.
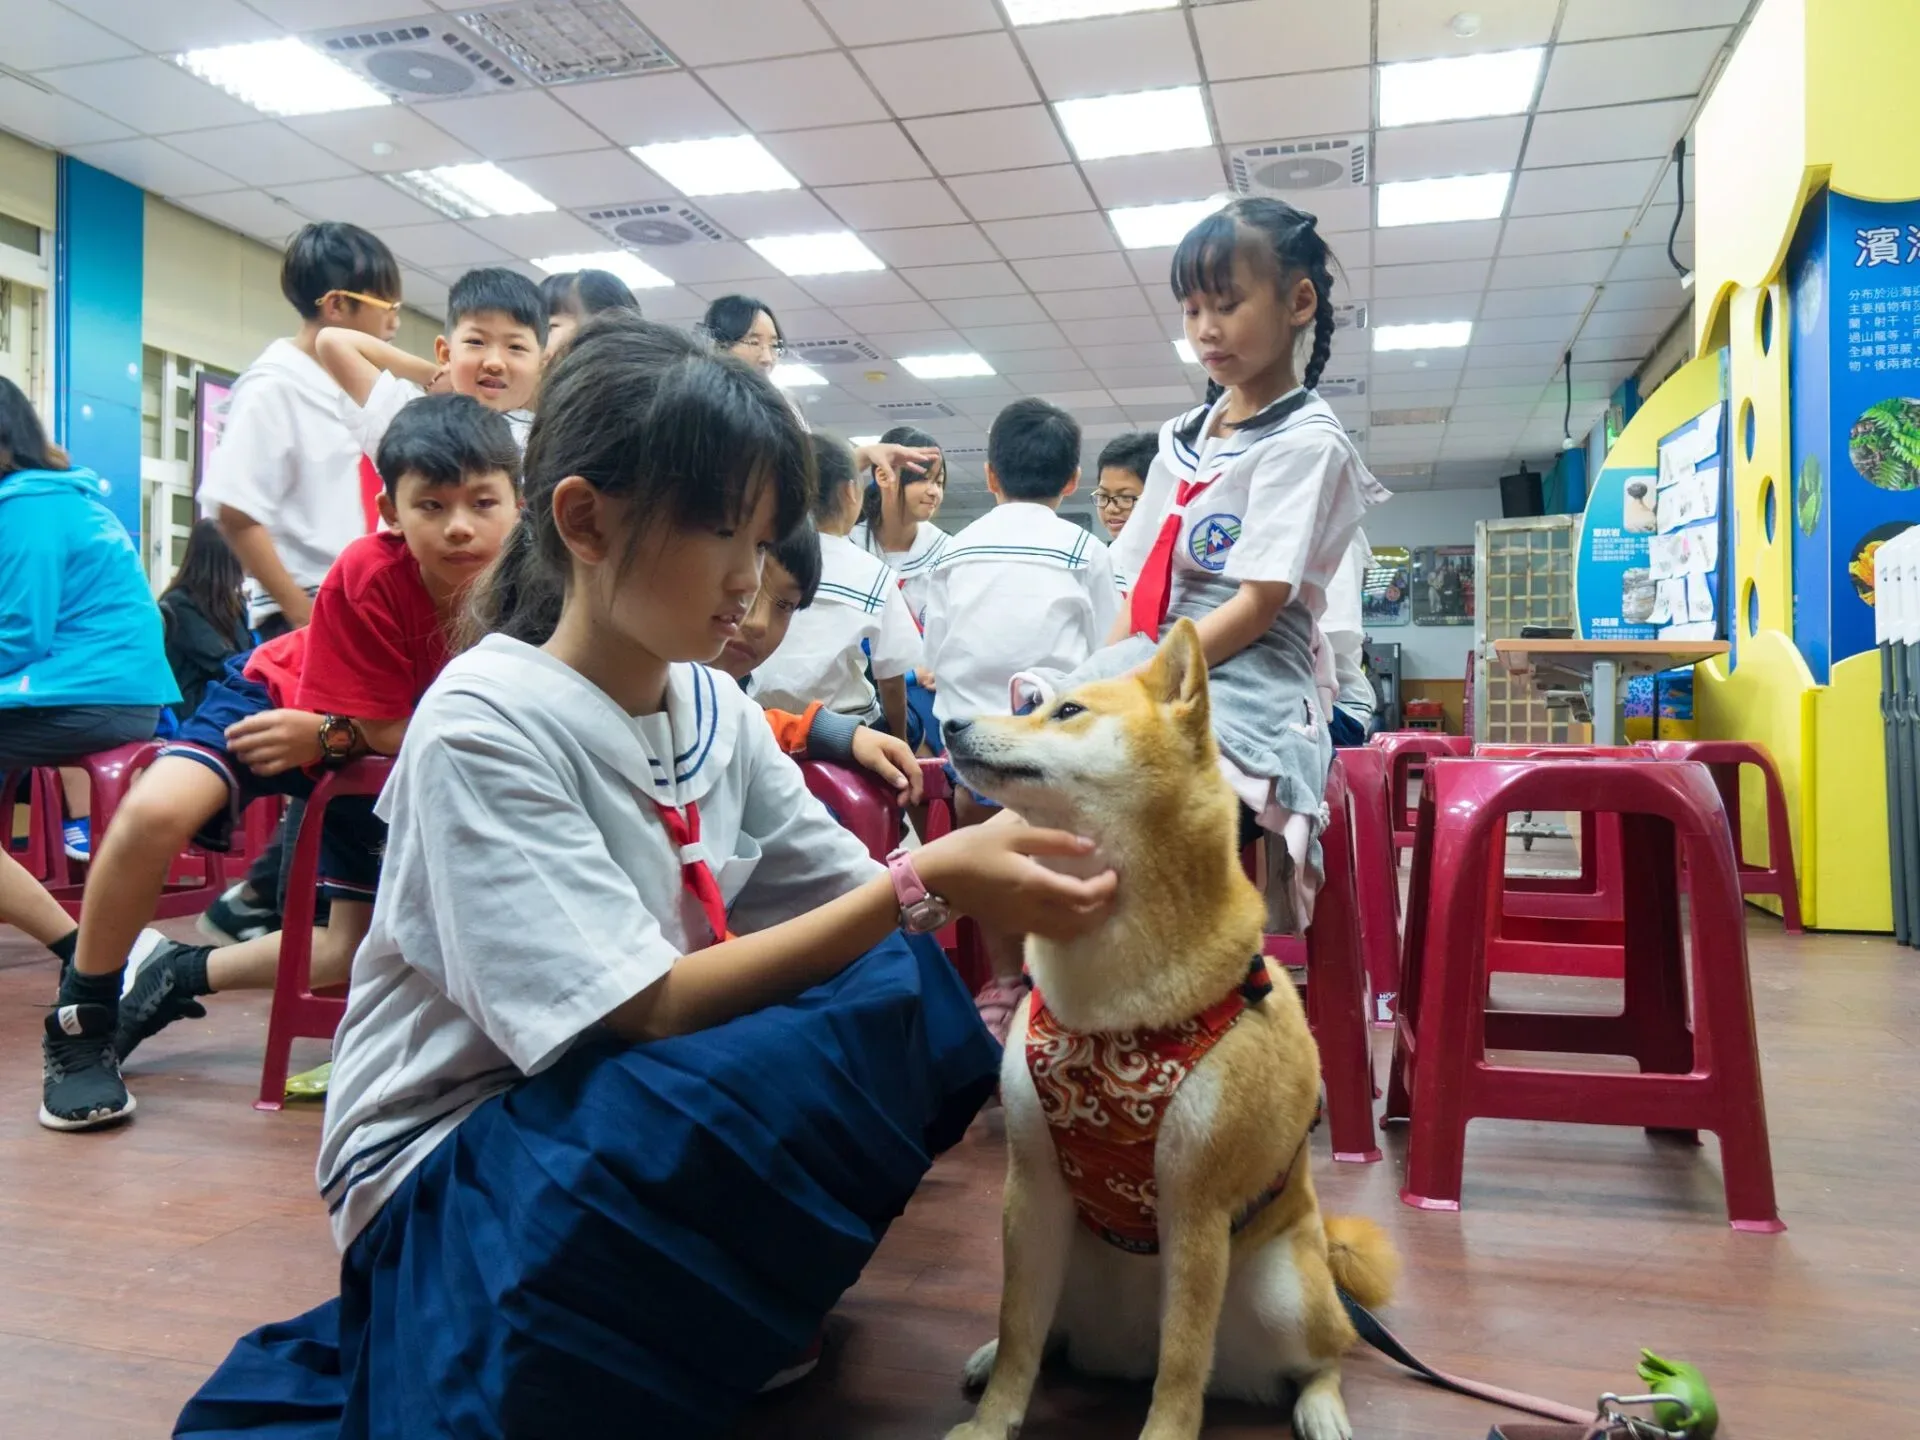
[373, 300]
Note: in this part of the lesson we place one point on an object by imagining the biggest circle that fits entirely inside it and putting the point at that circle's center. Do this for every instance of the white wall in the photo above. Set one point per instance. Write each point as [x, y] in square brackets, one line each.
[1431, 517]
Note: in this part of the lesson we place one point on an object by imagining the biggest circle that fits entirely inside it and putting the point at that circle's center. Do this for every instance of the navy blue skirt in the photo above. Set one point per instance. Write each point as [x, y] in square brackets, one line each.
[633, 1241]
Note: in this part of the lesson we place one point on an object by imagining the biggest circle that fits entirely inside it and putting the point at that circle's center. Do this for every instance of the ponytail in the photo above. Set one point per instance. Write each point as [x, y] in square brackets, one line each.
[517, 596]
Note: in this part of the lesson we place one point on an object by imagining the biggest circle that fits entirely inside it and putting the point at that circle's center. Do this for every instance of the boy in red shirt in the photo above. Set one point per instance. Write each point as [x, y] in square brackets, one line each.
[344, 686]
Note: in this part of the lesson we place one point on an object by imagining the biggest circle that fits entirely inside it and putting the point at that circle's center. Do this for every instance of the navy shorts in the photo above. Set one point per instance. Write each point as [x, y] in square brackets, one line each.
[352, 838]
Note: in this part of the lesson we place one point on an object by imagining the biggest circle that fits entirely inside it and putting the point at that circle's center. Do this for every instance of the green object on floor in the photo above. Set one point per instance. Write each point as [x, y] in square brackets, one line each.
[1686, 1384]
[312, 1085]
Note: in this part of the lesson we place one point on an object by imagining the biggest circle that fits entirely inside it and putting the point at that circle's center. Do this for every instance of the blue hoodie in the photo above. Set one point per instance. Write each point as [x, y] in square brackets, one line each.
[78, 625]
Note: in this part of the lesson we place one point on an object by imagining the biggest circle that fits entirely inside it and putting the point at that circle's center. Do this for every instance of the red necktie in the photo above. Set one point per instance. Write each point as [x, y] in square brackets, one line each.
[1147, 606]
[696, 876]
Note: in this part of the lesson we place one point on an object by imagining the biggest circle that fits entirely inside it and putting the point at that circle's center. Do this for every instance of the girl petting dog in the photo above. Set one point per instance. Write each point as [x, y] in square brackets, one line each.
[637, 1066]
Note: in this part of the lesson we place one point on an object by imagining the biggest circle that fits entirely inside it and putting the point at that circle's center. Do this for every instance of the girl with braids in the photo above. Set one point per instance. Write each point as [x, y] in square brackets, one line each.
[896, 525]
[1249, 508]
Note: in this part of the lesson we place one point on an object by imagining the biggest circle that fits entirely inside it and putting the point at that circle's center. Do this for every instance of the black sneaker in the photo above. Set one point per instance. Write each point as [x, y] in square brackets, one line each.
[233, 919]
[157, 993]
[80, 1087]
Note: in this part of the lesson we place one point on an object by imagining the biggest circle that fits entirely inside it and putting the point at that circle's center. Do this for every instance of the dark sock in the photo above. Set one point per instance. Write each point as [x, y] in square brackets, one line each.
[63, 947]
[191, 967]
[78, 989]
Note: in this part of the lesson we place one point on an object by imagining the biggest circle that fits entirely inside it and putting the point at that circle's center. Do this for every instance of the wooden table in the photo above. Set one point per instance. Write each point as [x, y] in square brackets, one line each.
[1598, 668]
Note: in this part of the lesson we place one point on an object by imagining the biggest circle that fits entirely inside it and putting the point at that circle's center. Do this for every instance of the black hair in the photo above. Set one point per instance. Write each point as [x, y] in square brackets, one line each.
[333, 255]
[1203, 264]
[650, 417]
[901, 435]
[210, 576]
[799, 556]
[581, 293]
[1133, 453]
[729, 318]
[1034, 449]
[445, 439]
[23, 441]
[495, 290]
[833, 465]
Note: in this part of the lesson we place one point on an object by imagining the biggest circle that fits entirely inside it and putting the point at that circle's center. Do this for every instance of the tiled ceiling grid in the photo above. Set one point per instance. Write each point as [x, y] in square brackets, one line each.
[926, 127]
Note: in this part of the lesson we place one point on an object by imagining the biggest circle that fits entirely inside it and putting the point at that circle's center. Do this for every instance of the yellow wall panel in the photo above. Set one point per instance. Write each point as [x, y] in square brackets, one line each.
[1847, 800]
[27, 181]
[1864, 110]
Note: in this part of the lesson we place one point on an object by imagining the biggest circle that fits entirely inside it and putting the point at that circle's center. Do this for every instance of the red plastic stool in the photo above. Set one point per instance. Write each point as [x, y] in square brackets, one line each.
[110, 773]
[1376, 876]
[1406, 749]
[858, 802]
[297, 1012]
[1723, 758]
[1700, 1077]
[961, 940]
[39, 789]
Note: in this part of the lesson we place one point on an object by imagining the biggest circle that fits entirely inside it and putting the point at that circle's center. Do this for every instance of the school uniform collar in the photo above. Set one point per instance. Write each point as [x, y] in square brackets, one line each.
[1185, 457]
[1020, 529]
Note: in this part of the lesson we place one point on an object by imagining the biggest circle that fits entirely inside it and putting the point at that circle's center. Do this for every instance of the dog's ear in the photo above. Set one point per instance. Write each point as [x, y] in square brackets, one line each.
[1178, 674]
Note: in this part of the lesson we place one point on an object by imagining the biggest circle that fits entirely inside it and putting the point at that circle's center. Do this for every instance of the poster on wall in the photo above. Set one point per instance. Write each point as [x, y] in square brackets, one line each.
[212, 398]
[1686, 559]
[1384, 592]
[1442, 585]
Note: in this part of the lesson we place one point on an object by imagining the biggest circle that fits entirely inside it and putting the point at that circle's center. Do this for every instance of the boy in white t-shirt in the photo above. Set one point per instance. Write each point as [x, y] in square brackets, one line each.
[858, 624]
[496, 331]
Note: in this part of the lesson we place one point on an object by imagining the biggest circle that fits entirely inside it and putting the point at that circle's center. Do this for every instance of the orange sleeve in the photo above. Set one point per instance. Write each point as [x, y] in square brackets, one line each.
[790, 730]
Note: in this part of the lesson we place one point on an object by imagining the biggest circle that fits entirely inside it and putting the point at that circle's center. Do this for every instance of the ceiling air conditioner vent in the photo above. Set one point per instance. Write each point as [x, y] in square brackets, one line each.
[1400, 472]
[1358, 435]
[425, 59]
[656, 225]
[1349, 317]
[1418, 415]
[1289, 167]
[1339, 387]
[843, 351]
[915, 410]
[963, 452]
[558, 42]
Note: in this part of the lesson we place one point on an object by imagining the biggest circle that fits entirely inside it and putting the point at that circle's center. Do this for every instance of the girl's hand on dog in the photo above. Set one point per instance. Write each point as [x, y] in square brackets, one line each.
[990, 872]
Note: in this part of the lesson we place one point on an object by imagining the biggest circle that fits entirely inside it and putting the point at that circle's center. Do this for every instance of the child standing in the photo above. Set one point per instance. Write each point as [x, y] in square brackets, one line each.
[578, 296]
[896, 525]
[858, 625]
[636, 1069]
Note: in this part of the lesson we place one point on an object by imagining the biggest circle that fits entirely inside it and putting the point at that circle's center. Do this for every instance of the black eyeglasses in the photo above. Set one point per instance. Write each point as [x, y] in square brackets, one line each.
[1107, 500]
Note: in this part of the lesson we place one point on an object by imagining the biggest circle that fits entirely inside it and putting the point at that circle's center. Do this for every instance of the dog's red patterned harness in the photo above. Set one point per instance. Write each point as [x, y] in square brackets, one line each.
[1104, 1096]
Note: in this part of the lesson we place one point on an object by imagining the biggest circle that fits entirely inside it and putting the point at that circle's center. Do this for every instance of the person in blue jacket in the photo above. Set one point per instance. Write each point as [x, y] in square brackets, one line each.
[83, 660]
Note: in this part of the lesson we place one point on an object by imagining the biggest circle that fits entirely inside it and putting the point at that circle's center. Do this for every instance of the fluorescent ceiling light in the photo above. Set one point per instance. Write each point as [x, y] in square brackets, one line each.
[1141, 227]
[1443, 335]
[1432, 202]
[835, 252]
[1137, 124]
[1045, 12]
[856, 441]
[1184, 349]
[945, 367]
[282, 77]
[790, 376]
[628, 268]
[730, 165]
[472, 192]
[1422, 91]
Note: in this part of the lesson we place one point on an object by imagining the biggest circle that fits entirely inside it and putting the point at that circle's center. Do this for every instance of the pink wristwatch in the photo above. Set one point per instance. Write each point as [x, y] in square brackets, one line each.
[921, 911]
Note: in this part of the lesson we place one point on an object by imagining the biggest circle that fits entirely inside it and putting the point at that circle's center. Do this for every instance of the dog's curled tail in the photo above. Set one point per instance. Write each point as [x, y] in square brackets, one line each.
[1362, 1258]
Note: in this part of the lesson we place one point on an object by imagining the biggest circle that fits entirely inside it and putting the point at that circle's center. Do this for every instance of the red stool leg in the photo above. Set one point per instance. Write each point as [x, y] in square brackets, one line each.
[296, 958]
[1412, 954]
[1337, 991]
[1376, 877]
[1780, 867]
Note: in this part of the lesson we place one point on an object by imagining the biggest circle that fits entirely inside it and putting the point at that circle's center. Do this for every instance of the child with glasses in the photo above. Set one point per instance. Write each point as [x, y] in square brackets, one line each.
[1123, 480]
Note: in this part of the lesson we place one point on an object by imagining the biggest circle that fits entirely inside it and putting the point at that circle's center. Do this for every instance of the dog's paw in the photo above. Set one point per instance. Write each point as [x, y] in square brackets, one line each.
[979, 1367]
[1321, 1415]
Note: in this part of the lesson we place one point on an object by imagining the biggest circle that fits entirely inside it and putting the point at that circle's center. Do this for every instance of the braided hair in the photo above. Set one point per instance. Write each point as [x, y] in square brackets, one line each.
[1203, 264]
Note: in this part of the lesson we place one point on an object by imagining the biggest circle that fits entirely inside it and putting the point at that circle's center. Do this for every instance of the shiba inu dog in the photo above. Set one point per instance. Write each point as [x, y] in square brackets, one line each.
[1160, 1215]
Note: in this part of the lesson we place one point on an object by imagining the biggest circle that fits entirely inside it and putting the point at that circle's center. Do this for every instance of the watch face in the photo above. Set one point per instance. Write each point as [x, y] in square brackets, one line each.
[925, 916]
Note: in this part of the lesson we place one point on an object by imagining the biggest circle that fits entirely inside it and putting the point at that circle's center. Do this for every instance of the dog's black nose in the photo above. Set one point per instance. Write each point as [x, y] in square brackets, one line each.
[955, 727]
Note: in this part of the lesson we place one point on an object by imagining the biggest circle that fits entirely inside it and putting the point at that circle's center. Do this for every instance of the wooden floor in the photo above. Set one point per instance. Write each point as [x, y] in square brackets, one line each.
[129, 1261]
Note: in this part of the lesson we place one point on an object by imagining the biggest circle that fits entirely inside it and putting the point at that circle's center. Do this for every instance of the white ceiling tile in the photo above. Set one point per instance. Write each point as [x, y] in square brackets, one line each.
[1432, 363]
[989, 339]
[1599, 19]
[930, 245]
[1422, 309]
[1639, 324]
[719, 260]
[1416, 244]
[1614, 72]
[875, 287]
[588, 178]
[1327, 102]
[1418, 389]
[1535, 329]
[1064, 359]
[299, 14]
[251, 212]
[882, 22]
[1583, 187]
[1096, 304]
[1076, 272]
[424, 293]
[1076, 400]
[506, 127]
[1342, 213]
[1459, 147]
[1155, 395]
[771, 212]
[1137, 377]
[963, 282]
[1468, 414]
[177, 24]
[799, 93]
[151, 95]
[1127, 330]
[931, 77]
[1154, 179]
[890, 319]
[848, 154]
[979, 388]
[1422, 29]
[715, 32]
[525, 236]
[1049, 382]
[154, 166]
[1514, 381]
[1083, 234]
[1115, 55]
[1616, 132]
[361, 199]
[1350, 282]
[1643, 262]
[1545, 354]
[264, 153]
[1011, 194]
[786, 298]
[1152, 267]
[416, 143]
[920, 342]
[675, 304]
[1642, 294]
[1450, 277]
[1573, 230]
[1270, 37]
[989, 139]
[643, 109]
[1567, 267]
[52, 120]
[893, 205]
[41, 34]
[992, 310]
[441, 244]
